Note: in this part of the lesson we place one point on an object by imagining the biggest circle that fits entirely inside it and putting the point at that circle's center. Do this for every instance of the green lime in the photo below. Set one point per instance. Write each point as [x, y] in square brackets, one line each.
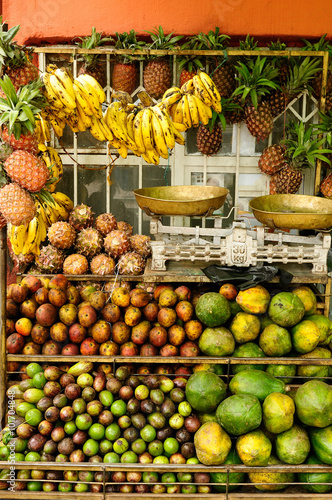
[156, 448]
[20, 457]
[112, 432]
[171, 445]
[81, 487]
[184, 409]
[65, 487]
[90, 448]
[192, 461]
[176, 421]
[39, 380]
[105, 446]
[97, 431]
[106, 398]
[138, 446]
[83, 422]
[70, 427]
[33, 368]
[20, 444]
[161, 460]
[34, 417]
[129, 457]
[34, 486]
[168, 477]
[112, 458]
[118, 408]
[4, 453]
[148, 433]
[32, 456]
[120, 445]
[23, 408]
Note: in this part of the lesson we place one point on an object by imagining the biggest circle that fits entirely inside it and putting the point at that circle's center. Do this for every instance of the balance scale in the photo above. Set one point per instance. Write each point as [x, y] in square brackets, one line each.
[235, 246]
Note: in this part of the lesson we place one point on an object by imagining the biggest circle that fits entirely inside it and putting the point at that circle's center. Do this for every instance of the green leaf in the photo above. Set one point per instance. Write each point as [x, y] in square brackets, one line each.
[29, 114]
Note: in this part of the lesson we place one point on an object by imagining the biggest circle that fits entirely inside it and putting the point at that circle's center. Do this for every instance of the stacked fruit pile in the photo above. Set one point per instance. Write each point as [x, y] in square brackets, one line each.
[79, 243]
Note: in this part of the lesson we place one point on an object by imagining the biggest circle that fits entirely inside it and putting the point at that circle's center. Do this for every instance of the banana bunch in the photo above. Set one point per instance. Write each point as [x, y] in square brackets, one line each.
[206, 90]
[53, 162]
[42, 130]
[147, 132]
[189, 112]
[26, 239]
[89, 96]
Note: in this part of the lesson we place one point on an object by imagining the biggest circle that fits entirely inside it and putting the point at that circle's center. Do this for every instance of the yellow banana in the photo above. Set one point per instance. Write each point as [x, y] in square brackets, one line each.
[188, 87]
[201, 91]
[17, 237]
[115, 118]
[41, 212]
[186, 112]
[138, 132]
[212, 90]
[65, 81]
[165, 123]
[45, 129]
[59, 113]
[115, 143]
[42, 227]
[90, 95]
[177, 136]
[123, 150]
[63, 214]
[64, 200]
[32, 232]
[62, 93]
[80, 119]
[105, 129]
[121, 117]
[171, 96]
[158, 136]
[178, 114]
[51, 96]
[130, 127]
[72, 121]
[204, 111]
[151, 156]
[146, 129]
[82, 100]
[95, 85]
[193, 110]
[95, 129]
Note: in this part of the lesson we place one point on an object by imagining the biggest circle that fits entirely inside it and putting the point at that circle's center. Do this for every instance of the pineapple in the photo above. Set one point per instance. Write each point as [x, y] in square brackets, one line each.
[141, 244]
[209, 139]
[105, 223]
[125, 71]
[232, 110]
[92, 62]
[61, 235]
[16, 204]
[81, 217]
[188, 64]
[89, 242]
[157, 75]
[3, 221]
[272, 159]
[75, 264]
[221, 70]
[14, 59]
[273, 184]
[116, 243]
[326, 186]
[256, 81]
[126, 227]
[50, 259]
[18, 117]
[102, 265]
[302, 151]
[29, 171]
[131, 263]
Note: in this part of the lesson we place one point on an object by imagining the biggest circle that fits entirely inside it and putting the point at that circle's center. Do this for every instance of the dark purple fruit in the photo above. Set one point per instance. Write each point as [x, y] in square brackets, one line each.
[177, 395]
[60, 400]
[122, 373]
[133, 406]
[147, 406]
[131, 434]
[66, 446]
[183, 435]
[50, 447]
[45, 403]
[113, 385]
[164, 433]
[52, 414]
[152, 381]
[88, 394]
[168, 408]
[133, 381]
[106, 418]
[138, 420]
[79, 437]
[188, 450]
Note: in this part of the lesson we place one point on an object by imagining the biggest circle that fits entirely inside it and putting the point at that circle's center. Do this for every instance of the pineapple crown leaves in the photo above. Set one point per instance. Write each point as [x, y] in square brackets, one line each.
[302, 149]
[11, 54]
[160, 41]
[300, 74]
[257, 81]
[92, 41]
[191, 61]
[215, 119]
[227, 106]
[18, 109]
[321, 45]
[3, 177]
[128, 41]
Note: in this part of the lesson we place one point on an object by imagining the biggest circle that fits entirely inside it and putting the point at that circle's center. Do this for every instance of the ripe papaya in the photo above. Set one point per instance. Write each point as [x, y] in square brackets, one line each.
[234, 478]
[239, 414]
[245, 327]
[308, 298]
[313, 401]
[254, 300]
[305, 336]
[315, 370]
[212, 444]
[204, 391]
[274, 480]
[212, 309]
[275, 340]
[254, 448]
[278, 412]
[256, 383]
[293, 445]
[325, 327]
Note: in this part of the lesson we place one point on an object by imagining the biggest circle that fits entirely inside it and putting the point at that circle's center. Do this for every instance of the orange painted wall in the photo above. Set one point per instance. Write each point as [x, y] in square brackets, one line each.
[60, 20]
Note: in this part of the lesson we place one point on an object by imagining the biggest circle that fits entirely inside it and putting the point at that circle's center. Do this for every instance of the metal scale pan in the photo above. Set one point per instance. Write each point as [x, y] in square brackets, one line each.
[181, 200]
[293, 211]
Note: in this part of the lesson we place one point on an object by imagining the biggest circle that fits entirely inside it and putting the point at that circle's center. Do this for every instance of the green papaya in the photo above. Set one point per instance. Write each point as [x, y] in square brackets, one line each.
[247, 350]
[234, 478]
[293, 446]
[212, 309]
[254, 448]
[321, 440]
[274, 480]
[306, 478]
[313, 401]
[217, 341]
[285, 372]
[286, 309]
[204, 391]
[278, 412]
[315, 370]
[239, 414]
[325, 327]
[275, 341]
[256, 383]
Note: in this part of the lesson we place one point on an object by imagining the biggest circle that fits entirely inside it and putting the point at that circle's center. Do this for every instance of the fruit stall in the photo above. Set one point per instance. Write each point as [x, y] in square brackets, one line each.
[165, 331]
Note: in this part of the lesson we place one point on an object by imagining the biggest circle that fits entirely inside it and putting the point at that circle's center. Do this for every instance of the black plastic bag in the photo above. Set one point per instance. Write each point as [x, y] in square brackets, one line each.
[247, 277]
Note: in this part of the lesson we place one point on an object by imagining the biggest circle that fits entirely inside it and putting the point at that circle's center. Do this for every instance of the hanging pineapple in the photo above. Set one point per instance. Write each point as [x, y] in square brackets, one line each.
[157, 75]
[92, 62]
[209, 137]
[125, 70]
